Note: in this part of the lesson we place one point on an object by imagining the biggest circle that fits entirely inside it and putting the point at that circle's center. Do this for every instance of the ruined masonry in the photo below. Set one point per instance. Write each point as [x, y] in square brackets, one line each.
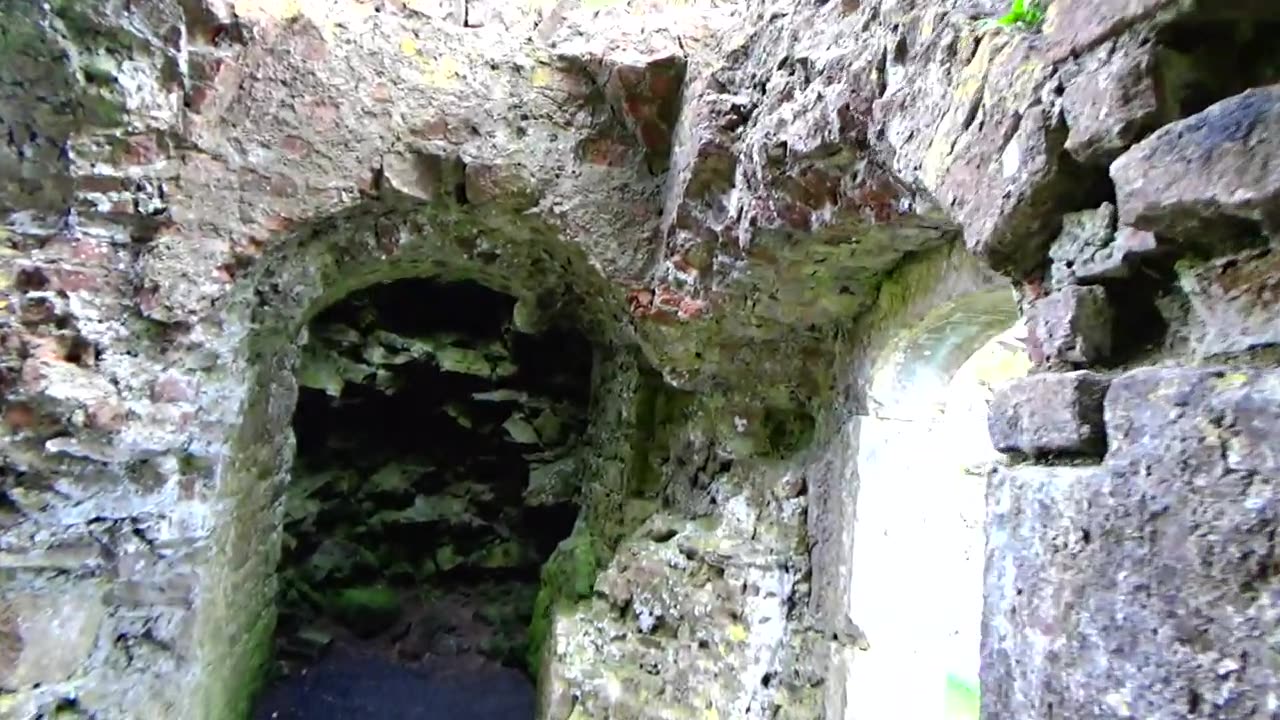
[620, 274]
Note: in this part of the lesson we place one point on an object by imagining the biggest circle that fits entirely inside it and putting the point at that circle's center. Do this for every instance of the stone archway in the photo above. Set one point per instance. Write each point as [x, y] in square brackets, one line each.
[515, 292]
[917, 558]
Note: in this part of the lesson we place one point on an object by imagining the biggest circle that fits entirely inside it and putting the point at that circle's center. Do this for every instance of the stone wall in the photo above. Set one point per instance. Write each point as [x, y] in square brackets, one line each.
[1131, 567]
[715, 193]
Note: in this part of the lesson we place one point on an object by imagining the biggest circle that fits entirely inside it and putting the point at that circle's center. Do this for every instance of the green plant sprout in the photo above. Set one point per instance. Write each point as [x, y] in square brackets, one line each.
[1025, 14]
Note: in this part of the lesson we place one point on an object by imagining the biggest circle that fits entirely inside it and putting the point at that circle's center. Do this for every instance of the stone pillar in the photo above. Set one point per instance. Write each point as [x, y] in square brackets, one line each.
[1132, 567]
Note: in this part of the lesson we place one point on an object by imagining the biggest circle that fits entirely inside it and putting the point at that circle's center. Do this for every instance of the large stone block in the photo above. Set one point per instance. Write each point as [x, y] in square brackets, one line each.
[1198, 423]
[1074, 27]
[1147, 588]
[1050, 413]
[1038, 532]
[1208, 180]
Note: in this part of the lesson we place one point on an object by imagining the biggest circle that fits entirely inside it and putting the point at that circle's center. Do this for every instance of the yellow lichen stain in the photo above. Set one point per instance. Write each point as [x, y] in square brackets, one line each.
[1024, 83]
[711, 714]
[965, 96]
[442, 73]
[974, 76]
[738, 633]
[1230, 380]
[275, 9]
[1213, 435]
[409, 45]
[542, 76]
[926, 27]
[1050, 23]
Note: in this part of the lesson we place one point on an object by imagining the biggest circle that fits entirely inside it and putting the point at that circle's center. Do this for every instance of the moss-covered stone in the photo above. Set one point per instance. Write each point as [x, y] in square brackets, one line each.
[567, 578]
[367, 610]
[244, 679]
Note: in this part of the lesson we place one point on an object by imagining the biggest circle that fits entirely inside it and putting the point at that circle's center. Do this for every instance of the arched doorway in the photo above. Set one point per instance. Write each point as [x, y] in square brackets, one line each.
[917, 557]
[435, 475]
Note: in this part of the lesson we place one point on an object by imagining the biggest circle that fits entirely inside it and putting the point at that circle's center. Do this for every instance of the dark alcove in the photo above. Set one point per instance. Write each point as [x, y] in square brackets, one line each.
[434, 476]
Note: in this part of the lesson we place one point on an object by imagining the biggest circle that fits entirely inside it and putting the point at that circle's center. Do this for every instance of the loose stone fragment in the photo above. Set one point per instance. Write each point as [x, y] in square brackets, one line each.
[1090, 249]
[1071, 326]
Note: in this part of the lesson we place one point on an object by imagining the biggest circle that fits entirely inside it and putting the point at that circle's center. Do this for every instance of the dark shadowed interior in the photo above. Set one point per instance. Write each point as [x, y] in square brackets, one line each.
[433, 478]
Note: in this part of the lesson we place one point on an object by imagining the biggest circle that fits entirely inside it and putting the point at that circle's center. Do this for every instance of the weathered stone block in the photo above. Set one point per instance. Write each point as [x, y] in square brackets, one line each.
[1071, 326]
[1111, 101]
[1235, 302]
[1050, 413]
[1073, 27]
[998, 179]
[1039, 531]
[1144, 589]
[423, 176]
[1198, 422]
[1210, 179]
[44, 637]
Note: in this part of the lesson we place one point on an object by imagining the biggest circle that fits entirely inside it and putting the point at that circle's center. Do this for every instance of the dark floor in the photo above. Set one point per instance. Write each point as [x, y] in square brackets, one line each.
[356, 687]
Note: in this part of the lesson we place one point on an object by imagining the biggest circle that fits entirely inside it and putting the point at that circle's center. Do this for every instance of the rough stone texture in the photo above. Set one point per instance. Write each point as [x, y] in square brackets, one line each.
[49, 638]
[1195, 462]
[1077, 27]
[1091, 250]
[1234, 302]
[974, 118]
[1072, 28]
[715, 193]
[1038, 529]
[708, 595]
[1050, 413]
[1182, 516]
[1071, 326]
[1209, 180]
[1110, 100]
[1083, 251]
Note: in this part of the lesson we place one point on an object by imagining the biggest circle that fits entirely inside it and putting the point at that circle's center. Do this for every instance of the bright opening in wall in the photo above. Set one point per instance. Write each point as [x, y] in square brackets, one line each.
[916, 573]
